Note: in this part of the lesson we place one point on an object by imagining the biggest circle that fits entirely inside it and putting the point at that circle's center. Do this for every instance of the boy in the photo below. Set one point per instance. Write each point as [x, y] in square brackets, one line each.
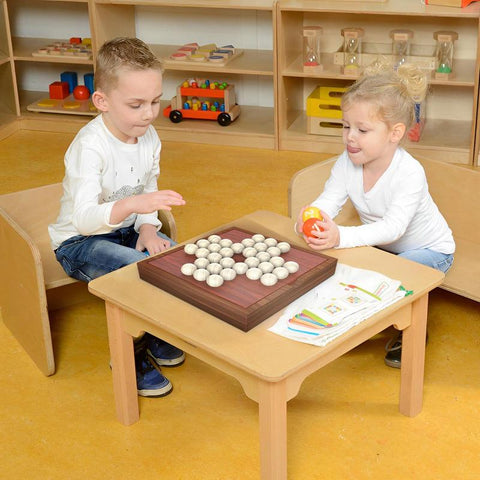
[108, 215]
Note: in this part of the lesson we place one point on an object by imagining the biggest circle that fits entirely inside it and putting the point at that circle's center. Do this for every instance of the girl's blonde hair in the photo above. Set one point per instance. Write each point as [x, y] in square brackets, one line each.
[394, 93]
[122, 53]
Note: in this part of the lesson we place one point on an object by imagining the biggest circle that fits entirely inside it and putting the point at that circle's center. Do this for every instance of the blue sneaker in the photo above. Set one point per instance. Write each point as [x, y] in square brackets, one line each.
[162, 352]
[150, 381]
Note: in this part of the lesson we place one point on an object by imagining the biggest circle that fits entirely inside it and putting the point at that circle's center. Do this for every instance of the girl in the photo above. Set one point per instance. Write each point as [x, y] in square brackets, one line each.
[386, 185]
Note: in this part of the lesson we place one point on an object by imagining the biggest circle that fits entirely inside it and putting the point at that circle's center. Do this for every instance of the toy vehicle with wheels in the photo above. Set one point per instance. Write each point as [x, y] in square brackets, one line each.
[204, 101]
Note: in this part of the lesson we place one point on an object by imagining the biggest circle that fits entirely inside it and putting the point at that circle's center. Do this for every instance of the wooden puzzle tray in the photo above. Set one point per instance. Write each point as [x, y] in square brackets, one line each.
[241, 302]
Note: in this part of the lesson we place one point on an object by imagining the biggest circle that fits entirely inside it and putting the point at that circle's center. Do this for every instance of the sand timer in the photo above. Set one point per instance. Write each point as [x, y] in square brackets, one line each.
[311, 48]
[444, 53]
[400, 46]
[352, 48]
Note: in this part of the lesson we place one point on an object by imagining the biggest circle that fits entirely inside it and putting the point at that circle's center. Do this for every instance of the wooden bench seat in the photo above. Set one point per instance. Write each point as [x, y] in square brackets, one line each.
[33, 282]
[454, 189]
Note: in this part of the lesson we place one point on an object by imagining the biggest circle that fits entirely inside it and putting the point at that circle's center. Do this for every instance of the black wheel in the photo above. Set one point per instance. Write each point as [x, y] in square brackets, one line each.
[224, 119]
[175, 116]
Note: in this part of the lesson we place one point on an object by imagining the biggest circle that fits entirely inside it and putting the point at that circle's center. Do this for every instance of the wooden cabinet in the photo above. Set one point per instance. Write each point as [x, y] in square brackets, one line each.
[451, 107]
[166, 25]
[270, 82]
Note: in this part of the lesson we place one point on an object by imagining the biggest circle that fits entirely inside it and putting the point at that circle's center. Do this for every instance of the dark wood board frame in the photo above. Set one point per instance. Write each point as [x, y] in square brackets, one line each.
[241, 302]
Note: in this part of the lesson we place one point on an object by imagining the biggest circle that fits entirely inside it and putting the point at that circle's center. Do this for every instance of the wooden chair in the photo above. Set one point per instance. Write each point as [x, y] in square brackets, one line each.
[454, 189]
[33, 282]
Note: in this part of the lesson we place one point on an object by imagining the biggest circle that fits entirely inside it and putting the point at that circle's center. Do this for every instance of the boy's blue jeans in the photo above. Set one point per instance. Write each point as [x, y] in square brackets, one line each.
[86, 258]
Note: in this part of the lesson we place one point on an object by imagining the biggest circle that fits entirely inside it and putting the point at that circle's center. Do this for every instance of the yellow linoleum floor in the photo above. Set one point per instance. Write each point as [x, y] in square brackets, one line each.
[344, 423]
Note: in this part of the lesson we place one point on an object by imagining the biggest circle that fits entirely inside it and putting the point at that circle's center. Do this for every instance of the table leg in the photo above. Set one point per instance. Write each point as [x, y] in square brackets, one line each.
[123, 367]
[413, 359]
[273, 430]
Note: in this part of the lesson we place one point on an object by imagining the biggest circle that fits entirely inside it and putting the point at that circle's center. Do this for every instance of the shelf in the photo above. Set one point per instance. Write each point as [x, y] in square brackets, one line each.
[251, 62]
[225, 4]
[24, 47]
[254, 127]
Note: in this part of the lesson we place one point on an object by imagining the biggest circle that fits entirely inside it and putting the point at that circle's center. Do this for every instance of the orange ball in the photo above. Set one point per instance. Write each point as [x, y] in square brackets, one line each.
[310, 225]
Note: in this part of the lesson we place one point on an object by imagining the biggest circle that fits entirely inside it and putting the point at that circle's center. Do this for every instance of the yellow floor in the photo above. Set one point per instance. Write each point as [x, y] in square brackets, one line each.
[344, 424]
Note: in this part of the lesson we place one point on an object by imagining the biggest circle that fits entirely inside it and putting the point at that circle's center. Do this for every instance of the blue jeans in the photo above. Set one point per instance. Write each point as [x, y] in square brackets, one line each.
[430, 258]
[86, 258]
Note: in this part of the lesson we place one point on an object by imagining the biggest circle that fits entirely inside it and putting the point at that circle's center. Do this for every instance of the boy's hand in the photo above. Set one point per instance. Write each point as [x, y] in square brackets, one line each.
[149, 240]
[329, 238]
[160, 200]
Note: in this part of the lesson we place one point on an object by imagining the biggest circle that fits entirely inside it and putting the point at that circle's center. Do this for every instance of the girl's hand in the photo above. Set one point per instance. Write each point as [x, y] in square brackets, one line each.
[149, 240]
[328, 238]
[160, 200]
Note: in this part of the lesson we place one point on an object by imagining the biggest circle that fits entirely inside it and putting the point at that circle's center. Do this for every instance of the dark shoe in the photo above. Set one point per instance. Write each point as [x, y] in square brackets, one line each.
[150, 381]
[162, 352]
[393, 357]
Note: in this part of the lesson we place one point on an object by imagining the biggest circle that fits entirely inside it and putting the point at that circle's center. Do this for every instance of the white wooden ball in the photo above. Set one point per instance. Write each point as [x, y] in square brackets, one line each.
[274, 251]
[190, 248]
[215, 281]
[214, 257]
[201, 262]
[228, 274]
[280, 272]
[225, 242]
[248, 242]
[277, 261]
[201, 274]
[202, 252]
[271, 242]
[214, 268]
[240, 267]
[284, 247]
[188, 268]
[203, 243]
[254, 273]
[252, 262]
[291, 266]
[237, 247]
[249, 252]
[214, 247]
[214, 238]
[258, 237]
[263, 256]
[226, 252]
[268, 279]
[227, 262]
[266, 267]
[260, 247]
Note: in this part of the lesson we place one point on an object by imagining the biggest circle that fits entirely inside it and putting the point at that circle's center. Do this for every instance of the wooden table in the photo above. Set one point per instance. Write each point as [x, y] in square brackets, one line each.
[270, 368]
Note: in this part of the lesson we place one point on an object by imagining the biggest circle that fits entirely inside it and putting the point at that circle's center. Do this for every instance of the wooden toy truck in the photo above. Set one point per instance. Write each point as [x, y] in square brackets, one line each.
[205, 101]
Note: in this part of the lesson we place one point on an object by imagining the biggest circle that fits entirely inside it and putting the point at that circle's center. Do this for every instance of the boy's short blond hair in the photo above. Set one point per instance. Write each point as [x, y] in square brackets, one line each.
[122, 53]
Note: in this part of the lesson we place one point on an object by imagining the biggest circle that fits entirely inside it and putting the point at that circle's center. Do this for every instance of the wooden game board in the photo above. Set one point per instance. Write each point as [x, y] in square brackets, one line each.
[170, 62]
[241, 302]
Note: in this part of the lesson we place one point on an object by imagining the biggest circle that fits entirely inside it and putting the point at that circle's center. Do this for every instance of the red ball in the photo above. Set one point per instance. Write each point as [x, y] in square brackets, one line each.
[81, 92]
[310, 225]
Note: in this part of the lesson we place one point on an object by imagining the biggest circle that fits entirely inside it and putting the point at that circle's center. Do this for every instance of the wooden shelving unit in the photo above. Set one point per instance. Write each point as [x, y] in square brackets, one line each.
[451, 129]
[451, 110]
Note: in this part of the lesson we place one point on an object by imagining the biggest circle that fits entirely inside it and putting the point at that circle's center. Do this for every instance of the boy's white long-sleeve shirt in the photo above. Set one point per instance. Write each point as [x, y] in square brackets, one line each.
[99, 170]
[397, 214]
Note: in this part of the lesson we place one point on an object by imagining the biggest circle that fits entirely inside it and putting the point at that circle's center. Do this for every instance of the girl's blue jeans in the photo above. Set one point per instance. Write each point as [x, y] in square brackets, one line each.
[86, 258]
[430, 258]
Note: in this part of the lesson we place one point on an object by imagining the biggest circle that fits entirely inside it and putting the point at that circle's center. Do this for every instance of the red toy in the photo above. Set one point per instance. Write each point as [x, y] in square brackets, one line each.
[58, 90]
[81, 92]
[310, 226]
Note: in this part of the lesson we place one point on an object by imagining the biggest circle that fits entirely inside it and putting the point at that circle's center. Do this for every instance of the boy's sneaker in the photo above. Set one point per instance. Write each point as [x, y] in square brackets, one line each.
[393, 357]
[162, 352]
[150, 381]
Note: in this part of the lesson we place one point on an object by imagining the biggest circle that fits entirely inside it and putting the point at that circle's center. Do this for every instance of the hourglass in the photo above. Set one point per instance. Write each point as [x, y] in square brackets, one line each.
[400, 46]
[311, 49]
[352, 48]
[444, 54]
